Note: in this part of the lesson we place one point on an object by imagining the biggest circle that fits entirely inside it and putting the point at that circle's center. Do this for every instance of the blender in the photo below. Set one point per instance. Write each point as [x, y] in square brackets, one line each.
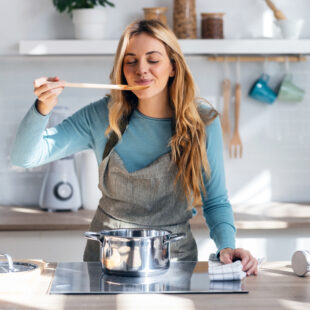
[60, 189]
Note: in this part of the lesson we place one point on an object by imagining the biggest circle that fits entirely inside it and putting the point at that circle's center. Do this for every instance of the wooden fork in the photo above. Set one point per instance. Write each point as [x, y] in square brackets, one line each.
[235, 146]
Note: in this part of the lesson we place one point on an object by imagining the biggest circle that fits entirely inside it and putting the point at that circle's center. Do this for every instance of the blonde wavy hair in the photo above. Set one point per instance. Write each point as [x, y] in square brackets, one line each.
[188, 144]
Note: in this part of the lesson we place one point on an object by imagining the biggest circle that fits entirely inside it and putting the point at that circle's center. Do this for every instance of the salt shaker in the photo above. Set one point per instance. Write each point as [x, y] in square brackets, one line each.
[301, 262]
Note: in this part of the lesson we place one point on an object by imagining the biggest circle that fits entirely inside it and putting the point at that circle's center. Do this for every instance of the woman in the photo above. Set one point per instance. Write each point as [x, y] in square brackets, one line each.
[161, 153]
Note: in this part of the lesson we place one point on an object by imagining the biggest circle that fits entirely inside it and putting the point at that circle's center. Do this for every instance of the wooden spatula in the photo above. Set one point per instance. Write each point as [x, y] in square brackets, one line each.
[106, 86]
[225, 121]
[235, 147]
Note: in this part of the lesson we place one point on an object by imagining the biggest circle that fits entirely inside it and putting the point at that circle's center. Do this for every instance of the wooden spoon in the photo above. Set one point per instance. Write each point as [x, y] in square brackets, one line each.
[106, 86]
[277, 13]
[235, 147]
[225, 121]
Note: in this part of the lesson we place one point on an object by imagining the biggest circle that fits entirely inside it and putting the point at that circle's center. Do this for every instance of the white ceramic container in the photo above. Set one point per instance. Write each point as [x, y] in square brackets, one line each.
[301, 262]
[290, 28]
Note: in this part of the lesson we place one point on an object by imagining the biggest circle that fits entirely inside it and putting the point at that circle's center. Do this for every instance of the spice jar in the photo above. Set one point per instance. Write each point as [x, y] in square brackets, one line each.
[212, 25]
[158, 13]
[184, 19]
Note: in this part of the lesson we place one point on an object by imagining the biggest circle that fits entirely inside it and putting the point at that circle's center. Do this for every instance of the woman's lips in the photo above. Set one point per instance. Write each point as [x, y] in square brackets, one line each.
[143, 82]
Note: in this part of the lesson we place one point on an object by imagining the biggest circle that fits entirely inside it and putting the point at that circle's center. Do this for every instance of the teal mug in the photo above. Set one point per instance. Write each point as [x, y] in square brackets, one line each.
[288, 91]
[261, 91]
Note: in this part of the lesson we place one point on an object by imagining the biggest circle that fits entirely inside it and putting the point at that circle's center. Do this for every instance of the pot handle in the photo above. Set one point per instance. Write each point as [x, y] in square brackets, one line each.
[92, 235]
[175, 237]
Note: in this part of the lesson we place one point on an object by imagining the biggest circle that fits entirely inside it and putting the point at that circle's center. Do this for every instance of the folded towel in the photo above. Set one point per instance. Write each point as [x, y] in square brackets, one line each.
[221, 272]
[224, 272]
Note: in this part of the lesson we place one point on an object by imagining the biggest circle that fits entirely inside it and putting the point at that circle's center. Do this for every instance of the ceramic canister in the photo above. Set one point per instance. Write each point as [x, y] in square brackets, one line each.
[301, 262]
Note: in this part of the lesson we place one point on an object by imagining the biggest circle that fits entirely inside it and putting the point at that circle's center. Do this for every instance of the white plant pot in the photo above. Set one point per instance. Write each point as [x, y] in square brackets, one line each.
[89, 24]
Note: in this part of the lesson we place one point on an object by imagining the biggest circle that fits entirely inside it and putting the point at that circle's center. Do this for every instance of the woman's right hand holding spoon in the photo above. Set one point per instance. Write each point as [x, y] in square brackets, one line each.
[47, 90]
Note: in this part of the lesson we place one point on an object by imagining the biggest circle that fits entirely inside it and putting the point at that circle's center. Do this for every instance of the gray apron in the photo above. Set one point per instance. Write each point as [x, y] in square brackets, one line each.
[146, 198]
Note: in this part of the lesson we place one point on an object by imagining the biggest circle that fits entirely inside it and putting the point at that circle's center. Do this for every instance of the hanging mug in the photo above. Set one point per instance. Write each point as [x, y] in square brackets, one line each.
[261, 91]
[288, 91]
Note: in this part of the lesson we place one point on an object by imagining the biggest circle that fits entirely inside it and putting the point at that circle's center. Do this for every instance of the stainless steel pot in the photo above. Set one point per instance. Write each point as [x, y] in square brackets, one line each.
[134, 252]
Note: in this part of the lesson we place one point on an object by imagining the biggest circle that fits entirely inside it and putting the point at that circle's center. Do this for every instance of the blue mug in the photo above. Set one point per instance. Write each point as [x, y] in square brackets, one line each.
[261, 91]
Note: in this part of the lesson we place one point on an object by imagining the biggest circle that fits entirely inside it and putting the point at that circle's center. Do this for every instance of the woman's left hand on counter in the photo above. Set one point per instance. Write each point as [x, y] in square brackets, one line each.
[250, 264]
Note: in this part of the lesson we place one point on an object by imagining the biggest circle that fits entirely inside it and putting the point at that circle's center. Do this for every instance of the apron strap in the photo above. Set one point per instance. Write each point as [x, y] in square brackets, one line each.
[113, 138]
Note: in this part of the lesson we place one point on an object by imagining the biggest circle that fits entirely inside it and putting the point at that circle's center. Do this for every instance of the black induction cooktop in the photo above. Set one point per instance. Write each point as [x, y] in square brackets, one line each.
[181, 278]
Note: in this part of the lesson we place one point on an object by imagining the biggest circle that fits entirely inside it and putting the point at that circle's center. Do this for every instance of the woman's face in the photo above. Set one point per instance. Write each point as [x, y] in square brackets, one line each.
[146, 63]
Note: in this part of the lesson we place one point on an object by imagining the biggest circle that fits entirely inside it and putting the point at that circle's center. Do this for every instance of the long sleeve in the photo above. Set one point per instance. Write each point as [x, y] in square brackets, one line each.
[37, 145]
[217, 209]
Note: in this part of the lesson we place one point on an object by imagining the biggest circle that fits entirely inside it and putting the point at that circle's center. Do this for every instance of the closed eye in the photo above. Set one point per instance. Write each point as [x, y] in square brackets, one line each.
[134, 61]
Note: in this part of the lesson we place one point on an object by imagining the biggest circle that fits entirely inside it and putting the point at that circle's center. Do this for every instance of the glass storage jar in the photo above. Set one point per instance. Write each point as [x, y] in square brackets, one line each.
[158, 13]
[212, 25]
[184, 19]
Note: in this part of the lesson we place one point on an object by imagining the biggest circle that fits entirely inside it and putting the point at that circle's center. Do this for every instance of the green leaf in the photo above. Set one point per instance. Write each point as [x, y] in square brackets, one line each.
[69, 5]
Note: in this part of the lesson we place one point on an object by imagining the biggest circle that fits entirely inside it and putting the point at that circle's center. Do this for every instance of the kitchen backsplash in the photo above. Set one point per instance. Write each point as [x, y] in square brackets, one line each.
[276, 161]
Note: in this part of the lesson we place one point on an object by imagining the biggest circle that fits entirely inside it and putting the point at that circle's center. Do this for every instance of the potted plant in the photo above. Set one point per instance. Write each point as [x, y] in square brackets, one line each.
[88, 17]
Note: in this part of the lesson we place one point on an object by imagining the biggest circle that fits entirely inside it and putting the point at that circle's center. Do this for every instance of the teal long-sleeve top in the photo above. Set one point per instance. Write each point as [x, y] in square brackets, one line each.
[144, 140]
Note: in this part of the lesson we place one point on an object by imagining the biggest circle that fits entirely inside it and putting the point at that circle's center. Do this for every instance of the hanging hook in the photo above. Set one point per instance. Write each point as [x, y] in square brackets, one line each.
[287, 65]
[265, 64]
[226, 68]
[238, 69]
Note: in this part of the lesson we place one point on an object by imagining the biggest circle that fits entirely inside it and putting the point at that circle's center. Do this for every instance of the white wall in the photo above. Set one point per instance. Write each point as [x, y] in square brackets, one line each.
[276, 158]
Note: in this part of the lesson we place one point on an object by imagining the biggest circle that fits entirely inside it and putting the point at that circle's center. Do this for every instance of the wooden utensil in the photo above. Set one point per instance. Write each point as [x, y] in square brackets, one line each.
[235, 147]
[277, 13]
[225, 122]
[106, 86]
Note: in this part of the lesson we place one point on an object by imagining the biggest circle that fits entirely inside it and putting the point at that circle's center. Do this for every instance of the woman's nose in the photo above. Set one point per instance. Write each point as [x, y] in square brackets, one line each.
[141, 68]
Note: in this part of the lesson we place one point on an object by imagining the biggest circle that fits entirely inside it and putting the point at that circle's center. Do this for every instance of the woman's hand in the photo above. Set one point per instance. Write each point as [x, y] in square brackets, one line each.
[47, 90]
[249, 263]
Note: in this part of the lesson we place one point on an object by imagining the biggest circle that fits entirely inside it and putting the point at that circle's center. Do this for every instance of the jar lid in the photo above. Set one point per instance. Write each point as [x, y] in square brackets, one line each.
[159, 8]
[214, 15]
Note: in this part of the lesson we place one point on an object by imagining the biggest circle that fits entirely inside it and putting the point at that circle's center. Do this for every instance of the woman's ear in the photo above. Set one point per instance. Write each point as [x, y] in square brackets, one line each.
[172, 72]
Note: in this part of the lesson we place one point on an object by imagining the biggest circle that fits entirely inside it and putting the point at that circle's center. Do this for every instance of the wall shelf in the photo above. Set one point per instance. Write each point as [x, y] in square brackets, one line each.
[189, 47]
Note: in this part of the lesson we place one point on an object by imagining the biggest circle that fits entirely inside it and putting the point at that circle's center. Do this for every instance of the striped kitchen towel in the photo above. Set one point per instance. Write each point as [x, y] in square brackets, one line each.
[222, 272]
